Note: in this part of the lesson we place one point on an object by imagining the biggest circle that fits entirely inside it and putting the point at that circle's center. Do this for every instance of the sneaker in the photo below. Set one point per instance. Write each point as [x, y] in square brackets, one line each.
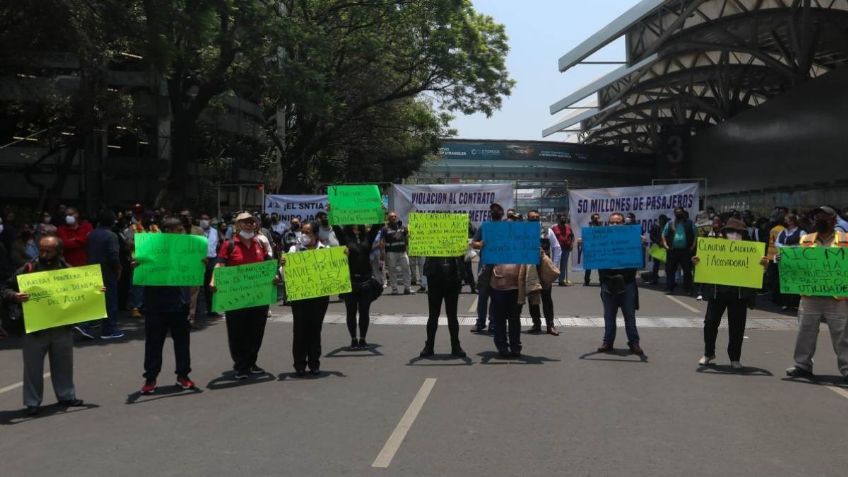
[185, 383]
[706, 360]
[256, 370]
[84, 332]
[478, 329]
[136, 313]
[113, 335]
[408, 291]
[149, 387]
[700, 298]
[784, 308]
[736, 365]
[427, 351]
[422, 290]
[240, 375]
[796, 372]
[354, 344]
[362, 344]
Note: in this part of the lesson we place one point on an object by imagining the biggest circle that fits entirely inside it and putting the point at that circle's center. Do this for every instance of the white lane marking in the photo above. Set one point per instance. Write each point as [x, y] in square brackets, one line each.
[384, 458]
[684, 305]
[12, 387]
[839, 391]
[473, 307]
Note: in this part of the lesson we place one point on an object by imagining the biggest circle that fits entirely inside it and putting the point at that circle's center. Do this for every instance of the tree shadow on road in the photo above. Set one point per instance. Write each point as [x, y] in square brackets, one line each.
[493, 358]
[163, 392]
[227, 380]
[8, 418]
[624, 356]
[726, 369]
[440, 360]
[346, 352]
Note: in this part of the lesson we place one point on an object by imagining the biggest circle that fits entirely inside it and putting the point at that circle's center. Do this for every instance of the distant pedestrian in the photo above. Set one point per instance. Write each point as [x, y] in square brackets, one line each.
[395, 243]
[74, 235]
[104, 249]
[565, 237]
[679, 238]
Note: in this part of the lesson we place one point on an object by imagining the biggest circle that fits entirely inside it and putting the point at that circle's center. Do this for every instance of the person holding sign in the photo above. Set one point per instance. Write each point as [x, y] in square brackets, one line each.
[245, 326]
[834, 310]
[308, 313]
[444, 275]
[735, 299]
[166, 309]
[618, 290]
[365, 288]
[56, 342]
[395, 242]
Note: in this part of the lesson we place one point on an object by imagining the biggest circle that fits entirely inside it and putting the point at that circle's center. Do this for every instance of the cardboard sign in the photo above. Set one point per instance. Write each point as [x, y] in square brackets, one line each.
[612, 247]
[315, 273]
[511, 243]
[245, 286]
[355, 205]
[814, 271]
[437, 235]
[730, 262]
[62, 297]
[170, 260]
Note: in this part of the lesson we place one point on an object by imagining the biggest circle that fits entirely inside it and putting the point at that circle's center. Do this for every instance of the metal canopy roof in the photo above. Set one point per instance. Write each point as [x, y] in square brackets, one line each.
[697, 63]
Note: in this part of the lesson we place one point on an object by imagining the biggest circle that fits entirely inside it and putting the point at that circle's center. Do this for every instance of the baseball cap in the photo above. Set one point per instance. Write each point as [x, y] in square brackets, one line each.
[244, 216]
[826, 209]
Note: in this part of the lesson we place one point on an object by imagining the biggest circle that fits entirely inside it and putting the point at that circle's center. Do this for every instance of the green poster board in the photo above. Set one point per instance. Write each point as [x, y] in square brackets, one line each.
[730, 262]
[244, 286]
[355, 205]
[437, 234]
[62, 297]
[170, 260]
[315, 273]
[658, 253]
[814, 271]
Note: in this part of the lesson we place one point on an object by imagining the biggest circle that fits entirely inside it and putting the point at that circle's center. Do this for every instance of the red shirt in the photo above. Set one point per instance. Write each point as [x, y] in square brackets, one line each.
[74, 242]
[243, 253]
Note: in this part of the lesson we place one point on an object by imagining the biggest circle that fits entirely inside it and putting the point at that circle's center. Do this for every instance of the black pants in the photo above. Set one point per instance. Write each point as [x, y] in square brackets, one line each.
[469, 276]
[507, 320]
[737, 315]
[207, 278]
[679, 258]
[587, 276]
[245, 330]
[438, 292]
[156, 328]
[547, 308]
[358, 300]
[306, 342]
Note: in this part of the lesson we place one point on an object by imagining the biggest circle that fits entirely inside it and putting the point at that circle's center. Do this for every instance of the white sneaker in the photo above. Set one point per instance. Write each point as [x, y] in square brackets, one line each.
[706, 360]
[736, 365]
[700, 298]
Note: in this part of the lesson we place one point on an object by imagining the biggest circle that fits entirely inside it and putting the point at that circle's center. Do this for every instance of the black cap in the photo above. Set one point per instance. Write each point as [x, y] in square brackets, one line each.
[826, 209]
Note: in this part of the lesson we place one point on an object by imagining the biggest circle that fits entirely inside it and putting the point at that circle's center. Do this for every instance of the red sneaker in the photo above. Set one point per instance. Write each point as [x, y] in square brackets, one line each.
[149, 386]
[185, 383]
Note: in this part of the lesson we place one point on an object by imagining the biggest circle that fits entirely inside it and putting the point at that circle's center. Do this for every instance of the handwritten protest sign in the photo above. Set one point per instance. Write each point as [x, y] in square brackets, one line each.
[658, 253]
[511, 243]
[62, 297]
[244, 286]
[730, 262]
[613, 247]
[314, 273]
[814, 271]
[169, 260]
[355, 204]
[437, 234]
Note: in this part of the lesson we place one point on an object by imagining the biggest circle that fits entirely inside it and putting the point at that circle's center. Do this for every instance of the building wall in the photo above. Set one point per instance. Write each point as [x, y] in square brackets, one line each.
[793, 149]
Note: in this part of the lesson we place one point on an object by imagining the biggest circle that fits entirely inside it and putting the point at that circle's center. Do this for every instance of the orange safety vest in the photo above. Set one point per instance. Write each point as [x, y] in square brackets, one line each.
[840, 239]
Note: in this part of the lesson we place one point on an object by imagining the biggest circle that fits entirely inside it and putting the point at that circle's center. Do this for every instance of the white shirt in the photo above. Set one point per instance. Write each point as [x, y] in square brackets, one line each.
[212, 237]
[556, 248]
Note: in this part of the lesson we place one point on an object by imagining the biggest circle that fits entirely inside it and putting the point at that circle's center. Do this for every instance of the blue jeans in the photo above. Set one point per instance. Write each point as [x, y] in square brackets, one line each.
[563, 265]
[507, 318]
[136, 296]
[627, 302]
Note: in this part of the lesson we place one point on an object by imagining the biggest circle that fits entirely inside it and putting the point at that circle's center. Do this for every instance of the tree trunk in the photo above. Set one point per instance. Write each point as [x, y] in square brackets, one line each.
[173, 193]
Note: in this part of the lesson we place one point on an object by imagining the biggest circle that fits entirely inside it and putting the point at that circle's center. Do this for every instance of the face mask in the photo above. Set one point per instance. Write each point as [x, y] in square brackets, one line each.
[734, 236]
[204, 224]
[49, 262]
[70, 219]
[295, 227]
[822, 226]
[247, 235]
[628, 220]
[305, 240]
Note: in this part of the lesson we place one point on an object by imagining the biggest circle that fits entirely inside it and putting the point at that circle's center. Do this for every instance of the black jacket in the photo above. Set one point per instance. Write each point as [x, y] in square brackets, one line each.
[359, 251]
[444, 271]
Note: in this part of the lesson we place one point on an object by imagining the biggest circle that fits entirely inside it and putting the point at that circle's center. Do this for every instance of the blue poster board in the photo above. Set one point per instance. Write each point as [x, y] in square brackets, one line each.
[615, 246]
[511, 242]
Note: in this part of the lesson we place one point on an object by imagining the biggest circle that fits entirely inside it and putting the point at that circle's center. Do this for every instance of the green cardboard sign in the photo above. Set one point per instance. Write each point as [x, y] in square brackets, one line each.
[170, 260]
[814, 271]
[316, 273]
[355, 205]
[244, 286]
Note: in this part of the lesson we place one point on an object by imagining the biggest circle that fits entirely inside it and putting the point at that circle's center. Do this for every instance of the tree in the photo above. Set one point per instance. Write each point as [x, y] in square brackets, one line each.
[351, 65]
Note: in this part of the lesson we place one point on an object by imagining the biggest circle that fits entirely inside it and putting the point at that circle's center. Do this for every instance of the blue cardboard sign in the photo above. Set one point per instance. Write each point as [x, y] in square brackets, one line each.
[511, 243]
[615, 246]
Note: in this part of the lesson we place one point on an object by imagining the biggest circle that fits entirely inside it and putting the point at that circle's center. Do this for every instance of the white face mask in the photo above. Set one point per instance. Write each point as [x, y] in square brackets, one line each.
[247, 235]
[70, 219]
[305, 240]
[204, 224]
[734, 236]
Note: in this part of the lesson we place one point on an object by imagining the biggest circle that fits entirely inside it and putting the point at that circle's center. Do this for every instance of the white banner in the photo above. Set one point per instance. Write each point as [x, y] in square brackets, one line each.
[303, 207]
[473, 199]
[647, 203]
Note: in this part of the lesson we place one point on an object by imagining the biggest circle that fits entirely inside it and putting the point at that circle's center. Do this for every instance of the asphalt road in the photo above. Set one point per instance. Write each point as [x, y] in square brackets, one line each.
[560, 410]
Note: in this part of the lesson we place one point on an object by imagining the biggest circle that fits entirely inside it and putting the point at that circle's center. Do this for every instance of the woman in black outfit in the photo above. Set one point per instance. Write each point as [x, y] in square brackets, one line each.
[444, 282]
[358, 241]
